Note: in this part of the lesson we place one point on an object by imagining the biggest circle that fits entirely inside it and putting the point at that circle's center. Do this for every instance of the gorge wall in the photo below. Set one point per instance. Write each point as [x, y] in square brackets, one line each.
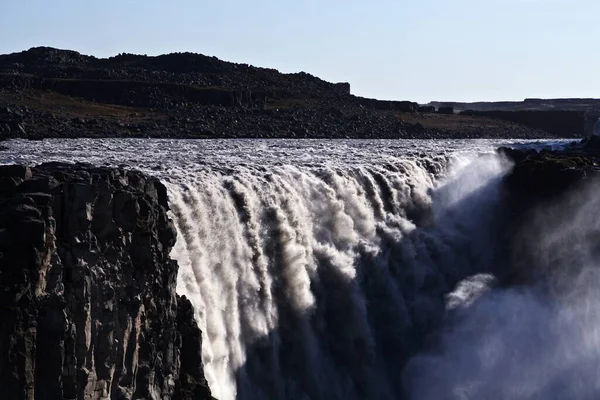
[87, 289]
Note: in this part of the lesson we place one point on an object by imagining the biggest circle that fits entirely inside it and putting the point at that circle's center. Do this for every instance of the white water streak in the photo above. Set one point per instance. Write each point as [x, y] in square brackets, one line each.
[292, 261]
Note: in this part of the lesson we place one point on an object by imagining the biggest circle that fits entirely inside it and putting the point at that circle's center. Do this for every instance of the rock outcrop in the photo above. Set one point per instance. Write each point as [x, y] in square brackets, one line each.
[87, 289]
[542, 176]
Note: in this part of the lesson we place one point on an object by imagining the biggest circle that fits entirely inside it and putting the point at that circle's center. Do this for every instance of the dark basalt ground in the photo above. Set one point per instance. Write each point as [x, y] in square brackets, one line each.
[47, 93]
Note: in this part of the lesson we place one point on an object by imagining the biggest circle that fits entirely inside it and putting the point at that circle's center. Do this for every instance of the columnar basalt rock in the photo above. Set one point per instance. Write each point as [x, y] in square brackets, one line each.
[87, 289]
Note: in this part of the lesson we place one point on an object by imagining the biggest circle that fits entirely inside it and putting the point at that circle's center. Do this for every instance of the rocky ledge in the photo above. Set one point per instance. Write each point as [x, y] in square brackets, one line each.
[543, 176]
[87, 289]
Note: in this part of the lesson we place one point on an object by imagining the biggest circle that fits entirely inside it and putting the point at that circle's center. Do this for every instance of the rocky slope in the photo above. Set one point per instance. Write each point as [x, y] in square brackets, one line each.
[45, 93]
[87, 289]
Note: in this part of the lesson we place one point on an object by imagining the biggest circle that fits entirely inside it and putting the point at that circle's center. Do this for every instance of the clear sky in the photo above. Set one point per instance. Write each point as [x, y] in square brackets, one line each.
[420, 50]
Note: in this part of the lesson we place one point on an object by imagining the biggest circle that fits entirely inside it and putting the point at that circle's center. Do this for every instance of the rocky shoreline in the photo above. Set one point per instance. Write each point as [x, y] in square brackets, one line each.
[51, 93]
[87, 287]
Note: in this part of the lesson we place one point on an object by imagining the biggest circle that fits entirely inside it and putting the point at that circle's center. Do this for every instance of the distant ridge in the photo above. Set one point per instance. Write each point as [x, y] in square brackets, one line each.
[47, 92]
[579, 104]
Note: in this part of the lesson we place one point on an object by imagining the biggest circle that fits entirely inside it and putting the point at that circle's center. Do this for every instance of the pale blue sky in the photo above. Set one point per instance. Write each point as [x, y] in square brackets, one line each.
[420, 50]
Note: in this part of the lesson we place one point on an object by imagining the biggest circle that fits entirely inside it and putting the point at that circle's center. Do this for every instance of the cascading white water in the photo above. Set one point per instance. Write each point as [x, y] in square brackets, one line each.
[316, 268]
[314, 282]
[539, 340]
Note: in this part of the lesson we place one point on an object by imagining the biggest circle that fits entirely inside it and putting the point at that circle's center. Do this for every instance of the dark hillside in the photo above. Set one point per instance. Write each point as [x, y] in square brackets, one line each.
[46, 92]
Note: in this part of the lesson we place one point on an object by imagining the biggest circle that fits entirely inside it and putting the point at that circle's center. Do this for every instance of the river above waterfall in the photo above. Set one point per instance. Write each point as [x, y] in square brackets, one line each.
[163, 154]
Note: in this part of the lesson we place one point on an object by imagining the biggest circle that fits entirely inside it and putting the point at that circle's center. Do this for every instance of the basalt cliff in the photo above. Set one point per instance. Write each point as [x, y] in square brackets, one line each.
[87, 289]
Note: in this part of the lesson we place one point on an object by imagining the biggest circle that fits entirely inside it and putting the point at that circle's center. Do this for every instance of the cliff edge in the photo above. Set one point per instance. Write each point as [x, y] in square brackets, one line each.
[87, 289]
[545, 192]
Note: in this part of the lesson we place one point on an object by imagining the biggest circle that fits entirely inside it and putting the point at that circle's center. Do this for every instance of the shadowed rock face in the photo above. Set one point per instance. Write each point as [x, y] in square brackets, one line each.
[544, 186]
[559, 123]
[87, 289]
[543, 176]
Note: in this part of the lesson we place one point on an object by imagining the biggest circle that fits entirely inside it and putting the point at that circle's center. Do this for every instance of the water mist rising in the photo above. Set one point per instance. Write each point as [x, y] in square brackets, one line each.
[321, 282]
[540, 340]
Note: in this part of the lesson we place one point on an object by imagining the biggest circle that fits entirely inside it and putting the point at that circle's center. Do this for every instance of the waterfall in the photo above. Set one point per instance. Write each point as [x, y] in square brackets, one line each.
[321, 281]
[539, 339]
[323, 269]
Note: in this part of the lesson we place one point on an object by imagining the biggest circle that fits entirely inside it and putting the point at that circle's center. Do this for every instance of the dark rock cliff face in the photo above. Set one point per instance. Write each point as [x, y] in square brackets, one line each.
[559, 123]
[541, 177]
[141, 94]
[88, 308]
